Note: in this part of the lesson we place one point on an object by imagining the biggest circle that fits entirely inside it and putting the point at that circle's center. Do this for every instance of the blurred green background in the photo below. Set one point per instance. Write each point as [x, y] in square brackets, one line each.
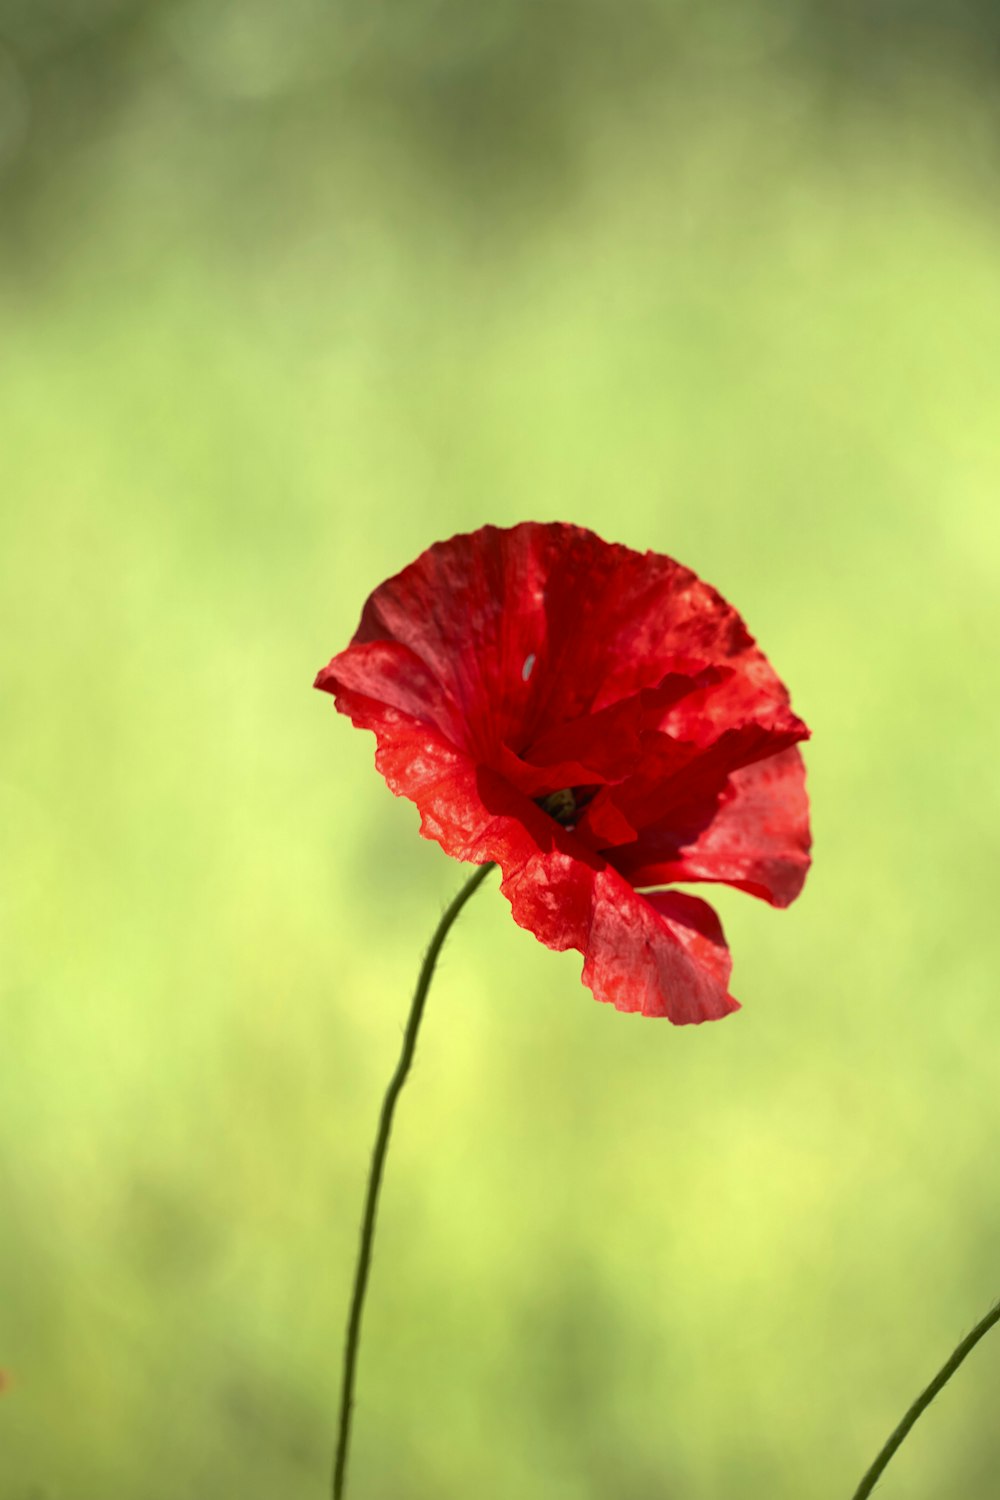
[286, 293]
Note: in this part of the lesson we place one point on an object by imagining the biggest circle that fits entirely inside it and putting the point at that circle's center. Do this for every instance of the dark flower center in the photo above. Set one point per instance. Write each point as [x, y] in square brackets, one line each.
[567, 804]
[560, 805]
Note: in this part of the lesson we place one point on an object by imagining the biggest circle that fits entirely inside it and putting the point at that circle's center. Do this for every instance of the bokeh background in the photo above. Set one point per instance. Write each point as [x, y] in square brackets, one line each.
[286, 293]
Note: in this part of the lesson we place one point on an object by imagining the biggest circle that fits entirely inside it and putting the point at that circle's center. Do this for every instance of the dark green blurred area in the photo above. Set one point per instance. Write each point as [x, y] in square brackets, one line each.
[285, 295]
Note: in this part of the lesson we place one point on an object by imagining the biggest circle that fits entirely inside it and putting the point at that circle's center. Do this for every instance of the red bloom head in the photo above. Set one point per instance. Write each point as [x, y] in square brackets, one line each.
[596, 721]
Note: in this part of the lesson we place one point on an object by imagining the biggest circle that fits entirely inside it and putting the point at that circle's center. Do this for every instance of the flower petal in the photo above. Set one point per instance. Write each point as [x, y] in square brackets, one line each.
[473, 610]
[393, 675]
[678, 785]
[608, 745]
[663, 954]
[421, 763]
[757, 840]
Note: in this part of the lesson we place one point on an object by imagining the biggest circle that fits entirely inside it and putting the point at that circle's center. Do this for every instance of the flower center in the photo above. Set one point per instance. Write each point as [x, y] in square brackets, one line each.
[561, 805]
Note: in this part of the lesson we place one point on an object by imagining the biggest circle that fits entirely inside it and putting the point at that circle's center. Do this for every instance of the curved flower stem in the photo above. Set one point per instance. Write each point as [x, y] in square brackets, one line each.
[375, 1172]
[924, 1400]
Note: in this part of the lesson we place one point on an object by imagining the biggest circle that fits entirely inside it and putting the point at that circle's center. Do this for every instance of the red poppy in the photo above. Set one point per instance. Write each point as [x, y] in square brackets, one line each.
[596, 721]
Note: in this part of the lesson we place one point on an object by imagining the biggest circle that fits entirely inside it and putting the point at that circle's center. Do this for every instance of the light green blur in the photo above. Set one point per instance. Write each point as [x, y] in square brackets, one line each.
[243, 378]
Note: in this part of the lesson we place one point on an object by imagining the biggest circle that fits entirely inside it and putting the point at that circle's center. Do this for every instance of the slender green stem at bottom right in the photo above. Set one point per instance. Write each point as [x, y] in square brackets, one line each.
[923, 1401]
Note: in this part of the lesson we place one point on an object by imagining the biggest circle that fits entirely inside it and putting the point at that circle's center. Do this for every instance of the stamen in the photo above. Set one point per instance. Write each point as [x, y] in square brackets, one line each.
[529, 666]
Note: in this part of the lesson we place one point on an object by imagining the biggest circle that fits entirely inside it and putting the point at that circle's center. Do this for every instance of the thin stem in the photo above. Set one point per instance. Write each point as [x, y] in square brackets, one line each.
[377, 1166]
[924, 1400]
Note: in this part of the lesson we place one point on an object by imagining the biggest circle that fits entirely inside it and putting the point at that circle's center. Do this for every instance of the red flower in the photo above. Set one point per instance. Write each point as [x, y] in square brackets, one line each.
[596, 721]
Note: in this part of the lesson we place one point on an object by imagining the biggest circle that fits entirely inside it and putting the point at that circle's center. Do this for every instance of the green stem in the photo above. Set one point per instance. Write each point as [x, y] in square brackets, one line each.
[376, 1170]
[924, 1400]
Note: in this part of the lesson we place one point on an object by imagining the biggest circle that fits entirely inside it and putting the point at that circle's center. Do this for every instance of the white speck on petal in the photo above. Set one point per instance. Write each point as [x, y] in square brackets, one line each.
[528, 668]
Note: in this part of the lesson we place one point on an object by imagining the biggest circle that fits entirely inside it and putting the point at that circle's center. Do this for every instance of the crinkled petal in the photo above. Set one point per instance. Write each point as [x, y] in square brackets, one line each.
[758, 838]
[473, 610]
[607, 746]
[749, 692]
[663, 954]
[679, 784]
[422, 764]
[392, 674]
